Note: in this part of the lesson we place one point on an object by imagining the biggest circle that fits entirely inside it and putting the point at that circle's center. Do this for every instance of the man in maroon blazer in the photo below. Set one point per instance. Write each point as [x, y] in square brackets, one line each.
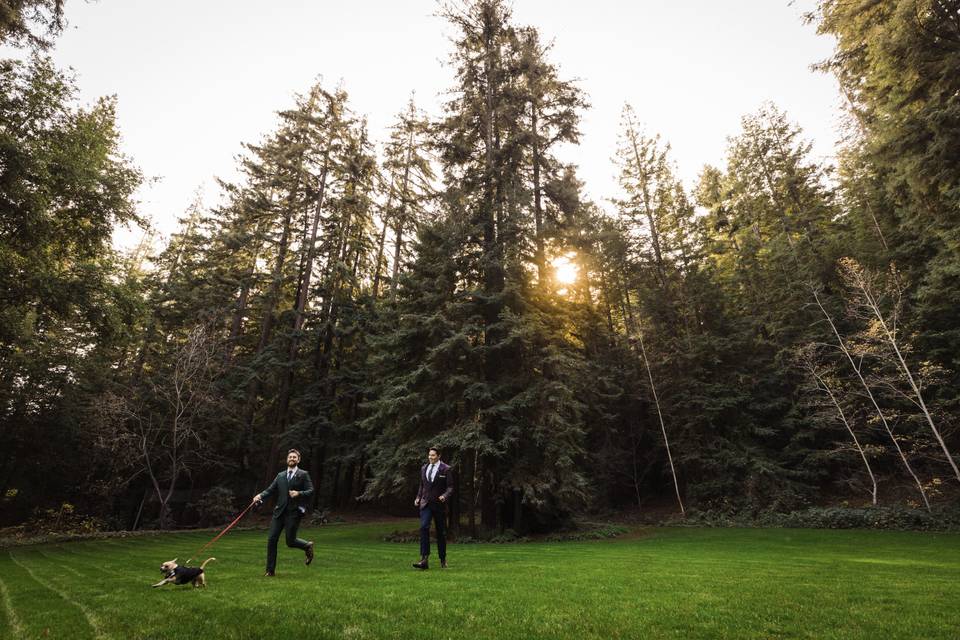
[436, 487]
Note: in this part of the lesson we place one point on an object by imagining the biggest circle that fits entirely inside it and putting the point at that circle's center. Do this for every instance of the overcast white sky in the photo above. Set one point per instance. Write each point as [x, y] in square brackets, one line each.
[195, 78]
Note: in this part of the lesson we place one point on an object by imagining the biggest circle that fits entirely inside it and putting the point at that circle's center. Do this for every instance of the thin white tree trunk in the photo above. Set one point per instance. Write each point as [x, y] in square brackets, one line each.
[846, 423]
[876, 406]
[858, 279]
[663, 427]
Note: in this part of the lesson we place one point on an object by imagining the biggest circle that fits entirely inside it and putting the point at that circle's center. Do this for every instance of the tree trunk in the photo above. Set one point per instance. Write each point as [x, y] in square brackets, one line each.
[473, 495]
[401, 218]
[240, 308]
[540, 257]
[151, 331]
[253, 388]
[663, 428]
[493, 278]
[873, 400]
[335, 489]
[283, 402]
[318, 457]
[136, 519]
[902, 364]
[846, 423]
[236, 326]
[382, 242]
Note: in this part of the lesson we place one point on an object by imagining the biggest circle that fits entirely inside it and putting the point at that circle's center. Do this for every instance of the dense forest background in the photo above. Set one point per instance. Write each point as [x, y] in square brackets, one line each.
[784, 335]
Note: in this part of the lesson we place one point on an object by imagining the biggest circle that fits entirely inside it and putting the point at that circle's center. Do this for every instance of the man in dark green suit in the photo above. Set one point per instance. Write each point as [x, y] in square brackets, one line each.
[293, 489]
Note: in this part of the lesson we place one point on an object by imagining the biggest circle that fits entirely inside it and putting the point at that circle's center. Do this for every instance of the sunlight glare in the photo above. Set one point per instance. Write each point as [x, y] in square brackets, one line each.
[565, 269]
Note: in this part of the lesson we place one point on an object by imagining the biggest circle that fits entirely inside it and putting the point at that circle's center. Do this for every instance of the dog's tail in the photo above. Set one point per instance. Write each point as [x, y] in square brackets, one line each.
[205, 562]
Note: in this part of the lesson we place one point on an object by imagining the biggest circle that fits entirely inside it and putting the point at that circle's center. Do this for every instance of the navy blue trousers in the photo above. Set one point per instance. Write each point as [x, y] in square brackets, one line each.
[438, 514]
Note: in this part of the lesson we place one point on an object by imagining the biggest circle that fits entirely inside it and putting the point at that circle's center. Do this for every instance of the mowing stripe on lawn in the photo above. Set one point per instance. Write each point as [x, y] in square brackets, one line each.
[91, 570]
[85, 564]
[12, 616]
[58, 563]
[41, 613]
[90, 617]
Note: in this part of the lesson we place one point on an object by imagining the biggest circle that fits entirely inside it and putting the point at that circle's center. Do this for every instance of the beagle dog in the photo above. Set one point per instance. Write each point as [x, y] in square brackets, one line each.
[172, 572]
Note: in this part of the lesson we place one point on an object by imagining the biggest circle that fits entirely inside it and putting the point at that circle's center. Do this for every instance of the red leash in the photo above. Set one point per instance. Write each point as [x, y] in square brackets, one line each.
[220, 535]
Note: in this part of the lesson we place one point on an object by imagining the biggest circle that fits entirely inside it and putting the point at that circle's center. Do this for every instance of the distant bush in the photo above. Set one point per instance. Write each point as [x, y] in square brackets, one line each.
[215, 507]
[599, 533]
[401, 536]
[874, 518]
[65, 519]
[585, 532]
[508, 535]
[325, 516]
[839, 517]
[64, 522]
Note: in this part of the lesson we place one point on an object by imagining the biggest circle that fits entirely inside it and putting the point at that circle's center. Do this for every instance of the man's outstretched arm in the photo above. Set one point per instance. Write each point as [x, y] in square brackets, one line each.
[266, 493]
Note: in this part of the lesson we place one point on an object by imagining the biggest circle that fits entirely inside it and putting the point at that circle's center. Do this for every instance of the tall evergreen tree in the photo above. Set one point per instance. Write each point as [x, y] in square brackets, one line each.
[898, 65]
[517, 426]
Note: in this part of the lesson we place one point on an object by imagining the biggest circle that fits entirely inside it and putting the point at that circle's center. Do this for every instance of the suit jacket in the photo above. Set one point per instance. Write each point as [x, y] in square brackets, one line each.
[299, 482]
[442, 485]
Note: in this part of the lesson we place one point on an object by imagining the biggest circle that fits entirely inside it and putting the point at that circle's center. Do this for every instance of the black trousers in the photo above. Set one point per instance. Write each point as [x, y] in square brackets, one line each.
[289, 522]
[437, 513]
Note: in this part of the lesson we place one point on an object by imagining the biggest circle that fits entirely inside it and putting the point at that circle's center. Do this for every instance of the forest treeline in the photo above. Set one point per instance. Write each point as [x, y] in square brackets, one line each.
[784, 333]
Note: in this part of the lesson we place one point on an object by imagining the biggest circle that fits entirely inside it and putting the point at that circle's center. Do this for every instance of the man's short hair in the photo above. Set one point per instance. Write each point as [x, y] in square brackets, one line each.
[294, 451]
[437, 449]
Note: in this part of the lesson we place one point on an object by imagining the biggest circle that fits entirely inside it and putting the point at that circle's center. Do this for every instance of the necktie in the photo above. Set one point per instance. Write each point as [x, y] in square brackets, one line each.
[289, 475]
[430, 473]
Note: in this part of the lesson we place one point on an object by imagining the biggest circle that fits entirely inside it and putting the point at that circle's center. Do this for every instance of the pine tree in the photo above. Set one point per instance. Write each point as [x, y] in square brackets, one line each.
[517, 426]
[897, 65]
[410, 176]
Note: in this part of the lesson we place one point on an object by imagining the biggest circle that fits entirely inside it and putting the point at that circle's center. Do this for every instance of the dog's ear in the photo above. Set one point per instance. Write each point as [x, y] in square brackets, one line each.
[174, 560]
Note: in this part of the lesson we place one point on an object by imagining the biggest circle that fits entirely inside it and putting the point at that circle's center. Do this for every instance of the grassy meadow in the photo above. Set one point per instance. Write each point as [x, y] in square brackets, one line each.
[652, 583]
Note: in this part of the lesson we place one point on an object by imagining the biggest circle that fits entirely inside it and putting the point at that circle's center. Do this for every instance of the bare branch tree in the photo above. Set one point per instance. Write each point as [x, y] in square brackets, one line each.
[869, 393]
[162, 431]
[866, 288]
[808, 358]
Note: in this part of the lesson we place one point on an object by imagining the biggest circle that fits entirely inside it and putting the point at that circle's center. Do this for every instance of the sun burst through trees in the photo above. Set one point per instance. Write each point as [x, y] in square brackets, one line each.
[565, 271]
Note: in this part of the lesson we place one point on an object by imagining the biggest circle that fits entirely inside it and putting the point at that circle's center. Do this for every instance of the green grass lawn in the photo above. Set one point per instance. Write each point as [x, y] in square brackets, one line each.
[668, 583]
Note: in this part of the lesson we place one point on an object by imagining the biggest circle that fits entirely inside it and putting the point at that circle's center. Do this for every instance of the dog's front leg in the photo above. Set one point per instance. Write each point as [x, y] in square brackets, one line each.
[163, 582]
